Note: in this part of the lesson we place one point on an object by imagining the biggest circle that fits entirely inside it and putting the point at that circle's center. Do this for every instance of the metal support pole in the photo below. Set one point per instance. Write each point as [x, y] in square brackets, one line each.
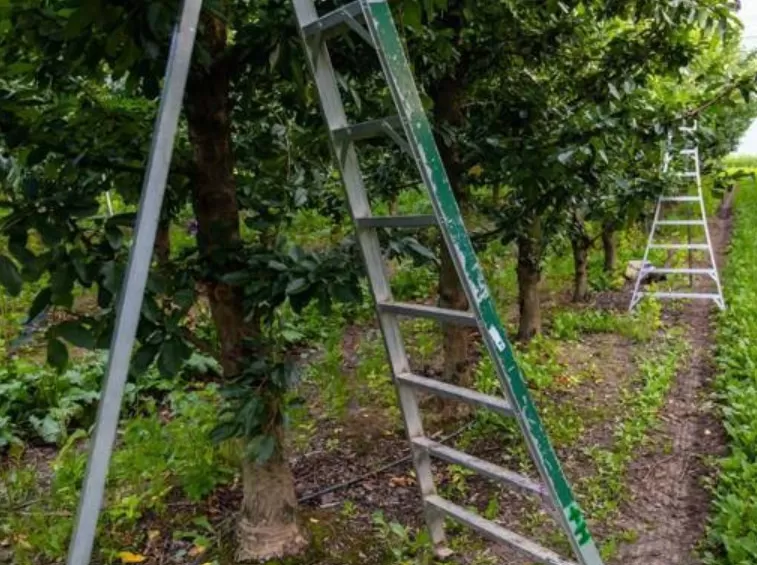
[132, 292]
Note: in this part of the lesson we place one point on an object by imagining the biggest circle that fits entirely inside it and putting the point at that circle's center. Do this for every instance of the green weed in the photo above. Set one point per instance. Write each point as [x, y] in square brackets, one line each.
[642, 325]
[732, 532]
[640, 404]
[167, 450]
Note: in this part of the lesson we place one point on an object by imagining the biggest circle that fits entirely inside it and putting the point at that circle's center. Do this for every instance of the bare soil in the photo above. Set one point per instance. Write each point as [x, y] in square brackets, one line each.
[669, 503]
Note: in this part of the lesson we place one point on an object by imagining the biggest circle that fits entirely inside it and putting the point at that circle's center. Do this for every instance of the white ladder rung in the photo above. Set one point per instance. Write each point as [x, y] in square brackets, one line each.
[404, 222]
[689, 151]
[679, 199]
[687, 175]
[680, 222]
[495, 532]
[679, 246]
[369, 129]
[694, 295]
[445, 390]
[334, 21]
[442, 315]
[485, 468]
[667, 271]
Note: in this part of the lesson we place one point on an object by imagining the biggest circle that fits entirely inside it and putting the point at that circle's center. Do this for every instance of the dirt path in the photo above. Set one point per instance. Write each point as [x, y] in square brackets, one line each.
[669, 503]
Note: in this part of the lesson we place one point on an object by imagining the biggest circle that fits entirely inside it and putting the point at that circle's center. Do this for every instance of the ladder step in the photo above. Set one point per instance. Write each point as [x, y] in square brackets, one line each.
[443, 315]
[397, 222]
[335, 21]
[680, 223]
[695, 295]
[369, 129]
[692, 246]
[485, 468]
[689, 151]
[688, 175]
[446, 390]
[679, 199]
[495, 532]
[666, 271]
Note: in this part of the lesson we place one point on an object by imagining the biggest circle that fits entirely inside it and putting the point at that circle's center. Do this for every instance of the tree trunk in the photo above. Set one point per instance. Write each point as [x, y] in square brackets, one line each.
[529, 277]
[608, 246]
[580, 246]
[447, 96]
[268, 526]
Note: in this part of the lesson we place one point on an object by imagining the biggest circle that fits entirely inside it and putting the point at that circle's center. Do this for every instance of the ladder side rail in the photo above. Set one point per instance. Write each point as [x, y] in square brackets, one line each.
[716, 276]
[346, 157]
[635, 297]
[418, 131]
[135, 280]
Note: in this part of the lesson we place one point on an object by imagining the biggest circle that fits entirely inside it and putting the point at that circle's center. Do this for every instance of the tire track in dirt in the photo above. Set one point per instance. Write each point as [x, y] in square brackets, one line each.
[669, 503]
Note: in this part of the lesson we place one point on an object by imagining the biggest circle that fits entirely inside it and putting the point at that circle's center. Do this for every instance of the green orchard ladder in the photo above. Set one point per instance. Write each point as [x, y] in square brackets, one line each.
[411, 130]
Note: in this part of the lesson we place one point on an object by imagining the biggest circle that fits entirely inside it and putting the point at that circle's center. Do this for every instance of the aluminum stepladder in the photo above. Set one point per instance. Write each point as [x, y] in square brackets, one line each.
[691, 173]
[133, 288]
[410, 128]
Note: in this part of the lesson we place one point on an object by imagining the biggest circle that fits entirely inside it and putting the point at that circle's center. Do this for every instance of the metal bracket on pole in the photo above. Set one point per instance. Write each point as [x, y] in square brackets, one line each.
[132, 292]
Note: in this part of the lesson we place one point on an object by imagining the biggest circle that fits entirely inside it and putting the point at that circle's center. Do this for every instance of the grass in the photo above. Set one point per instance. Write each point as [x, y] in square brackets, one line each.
[741, 161]
[640, 405]
[732, 534]
[163, 453]
[165, 461]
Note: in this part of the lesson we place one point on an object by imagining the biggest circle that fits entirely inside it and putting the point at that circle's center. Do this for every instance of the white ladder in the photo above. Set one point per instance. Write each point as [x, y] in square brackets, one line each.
[690, 154]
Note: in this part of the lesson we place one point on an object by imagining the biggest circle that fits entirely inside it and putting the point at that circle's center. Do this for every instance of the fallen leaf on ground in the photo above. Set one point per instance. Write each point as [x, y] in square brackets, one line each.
[129, 557]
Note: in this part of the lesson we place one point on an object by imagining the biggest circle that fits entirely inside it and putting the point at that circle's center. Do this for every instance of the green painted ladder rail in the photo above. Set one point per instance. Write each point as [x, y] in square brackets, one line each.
[411, 130]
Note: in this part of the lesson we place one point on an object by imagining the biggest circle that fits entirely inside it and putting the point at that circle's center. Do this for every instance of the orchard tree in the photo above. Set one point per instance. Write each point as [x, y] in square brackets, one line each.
[558, 109]
[79, 84]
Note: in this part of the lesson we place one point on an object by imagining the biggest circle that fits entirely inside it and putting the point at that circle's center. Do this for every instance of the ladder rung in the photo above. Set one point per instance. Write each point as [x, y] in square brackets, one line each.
[680, 223]
[397, 221]
[702, 295]
[369, 129]
[679, 199]
[446, 390]
[443, 315]
[666, 271]
[485, 468]
[688, 175]
[334, 21]
[495, 532]
[692, 246]
[689, 151]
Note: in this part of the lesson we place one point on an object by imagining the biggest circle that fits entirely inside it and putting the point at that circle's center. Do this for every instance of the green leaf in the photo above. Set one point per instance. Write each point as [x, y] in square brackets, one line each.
[261, 448]
[75, 333]
[57, 354]
[47, 428]
[40, 302]
[411, 15]
[185, 298]
[143, 358]
[115, 236]
[36, 156]
[565, 156]
[79, 21]
[222, 432]
[10, 278]
[173, 352]
[297, 286]
[236, 278]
